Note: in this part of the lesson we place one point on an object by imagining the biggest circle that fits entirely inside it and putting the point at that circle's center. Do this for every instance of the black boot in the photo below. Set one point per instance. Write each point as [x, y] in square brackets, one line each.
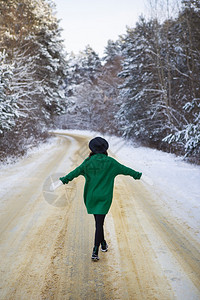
[95, 253]
[104, 246]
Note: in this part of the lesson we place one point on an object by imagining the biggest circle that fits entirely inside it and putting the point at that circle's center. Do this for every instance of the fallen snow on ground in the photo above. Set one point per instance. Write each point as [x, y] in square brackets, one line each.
[12, 173]
[177, 182]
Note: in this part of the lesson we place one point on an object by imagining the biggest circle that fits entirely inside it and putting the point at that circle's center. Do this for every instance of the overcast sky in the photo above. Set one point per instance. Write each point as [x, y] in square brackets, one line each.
[94, 22]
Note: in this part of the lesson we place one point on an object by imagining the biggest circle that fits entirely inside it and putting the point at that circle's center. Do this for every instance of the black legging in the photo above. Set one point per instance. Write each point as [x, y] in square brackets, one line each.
[99, 233]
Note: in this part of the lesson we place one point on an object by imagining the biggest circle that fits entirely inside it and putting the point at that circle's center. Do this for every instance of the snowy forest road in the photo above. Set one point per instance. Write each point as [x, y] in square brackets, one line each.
[46, 238]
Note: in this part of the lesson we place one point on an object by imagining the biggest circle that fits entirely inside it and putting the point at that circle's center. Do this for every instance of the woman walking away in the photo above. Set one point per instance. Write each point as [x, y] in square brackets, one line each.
[99, 171]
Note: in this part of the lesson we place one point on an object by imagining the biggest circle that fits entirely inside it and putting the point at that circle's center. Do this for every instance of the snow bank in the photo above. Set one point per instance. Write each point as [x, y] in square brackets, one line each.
[12, 172]
[10, 161]
[176, 181]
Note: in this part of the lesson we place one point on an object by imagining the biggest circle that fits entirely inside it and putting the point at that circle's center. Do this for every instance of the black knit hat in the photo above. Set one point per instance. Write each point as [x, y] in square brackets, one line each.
[98, 145]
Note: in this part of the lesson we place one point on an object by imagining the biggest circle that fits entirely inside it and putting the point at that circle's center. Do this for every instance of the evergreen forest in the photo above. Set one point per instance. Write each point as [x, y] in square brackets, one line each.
[146, 87]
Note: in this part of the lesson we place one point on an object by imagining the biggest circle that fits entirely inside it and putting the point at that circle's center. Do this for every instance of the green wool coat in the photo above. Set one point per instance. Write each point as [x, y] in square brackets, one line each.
[99, 171]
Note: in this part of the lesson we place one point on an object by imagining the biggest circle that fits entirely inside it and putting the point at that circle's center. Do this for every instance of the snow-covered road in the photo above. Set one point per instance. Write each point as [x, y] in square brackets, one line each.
[153, 227]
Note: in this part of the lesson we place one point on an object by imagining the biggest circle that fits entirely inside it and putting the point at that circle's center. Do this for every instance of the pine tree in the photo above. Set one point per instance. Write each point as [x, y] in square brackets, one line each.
[91, 65]
[187, 135]
[30, 35]
[8, 105]
[141, 114]
[51, 70]
[111, 51]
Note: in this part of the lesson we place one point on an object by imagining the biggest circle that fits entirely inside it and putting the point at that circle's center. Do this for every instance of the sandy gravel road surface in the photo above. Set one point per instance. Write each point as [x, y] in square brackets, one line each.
[46, 238]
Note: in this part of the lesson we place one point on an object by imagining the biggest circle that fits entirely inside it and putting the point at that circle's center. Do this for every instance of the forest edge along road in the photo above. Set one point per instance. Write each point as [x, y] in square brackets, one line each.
[46, 249]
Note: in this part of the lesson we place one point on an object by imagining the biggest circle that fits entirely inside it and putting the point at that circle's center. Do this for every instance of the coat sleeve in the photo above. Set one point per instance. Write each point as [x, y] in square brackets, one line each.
[73, 174]
[121, 169]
